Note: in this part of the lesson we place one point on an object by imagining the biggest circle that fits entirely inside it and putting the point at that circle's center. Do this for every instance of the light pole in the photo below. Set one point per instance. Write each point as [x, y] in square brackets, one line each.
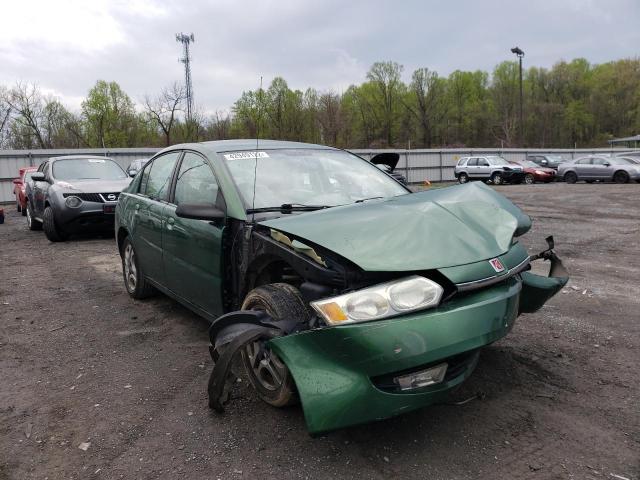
[519, 53]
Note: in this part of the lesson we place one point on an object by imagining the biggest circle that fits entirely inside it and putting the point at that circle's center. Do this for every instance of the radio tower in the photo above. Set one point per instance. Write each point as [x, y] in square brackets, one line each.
[186, 59]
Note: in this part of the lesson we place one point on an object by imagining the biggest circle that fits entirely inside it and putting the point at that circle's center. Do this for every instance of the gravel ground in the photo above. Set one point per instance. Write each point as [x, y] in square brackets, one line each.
[83, 365]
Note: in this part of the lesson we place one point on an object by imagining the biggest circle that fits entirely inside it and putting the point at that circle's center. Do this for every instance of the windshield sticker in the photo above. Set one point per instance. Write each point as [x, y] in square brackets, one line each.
[95, 160]
[245, 155]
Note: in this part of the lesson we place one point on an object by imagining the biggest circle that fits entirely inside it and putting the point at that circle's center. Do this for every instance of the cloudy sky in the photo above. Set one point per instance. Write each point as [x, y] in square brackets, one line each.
[66, 45]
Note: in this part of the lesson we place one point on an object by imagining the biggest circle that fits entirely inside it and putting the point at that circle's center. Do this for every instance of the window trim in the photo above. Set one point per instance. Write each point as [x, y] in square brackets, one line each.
[220, 194]
[149, 165]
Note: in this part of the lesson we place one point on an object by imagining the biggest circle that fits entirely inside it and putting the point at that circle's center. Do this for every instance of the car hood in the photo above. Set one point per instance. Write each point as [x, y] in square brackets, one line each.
[95, 186]
[420, 231]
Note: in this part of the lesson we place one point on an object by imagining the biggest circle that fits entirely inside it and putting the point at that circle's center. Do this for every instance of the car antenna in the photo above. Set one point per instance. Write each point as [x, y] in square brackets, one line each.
[255, 168]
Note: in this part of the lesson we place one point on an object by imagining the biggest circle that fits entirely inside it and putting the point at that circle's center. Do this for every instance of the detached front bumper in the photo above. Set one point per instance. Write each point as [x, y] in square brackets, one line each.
[344, 374]
[338, 370]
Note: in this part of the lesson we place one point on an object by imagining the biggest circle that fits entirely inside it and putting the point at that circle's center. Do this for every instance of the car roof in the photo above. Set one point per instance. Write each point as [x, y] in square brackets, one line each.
[219, 146]
[71, 157]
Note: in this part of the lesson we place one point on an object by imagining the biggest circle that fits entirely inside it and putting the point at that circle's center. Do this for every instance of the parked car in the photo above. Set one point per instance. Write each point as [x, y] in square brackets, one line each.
[336, 285]
[135, 166]
[19, 188]
[546, 160]
[387, 162]
[535, 173]
[634, 155]
[74, 194]
[597, 167]
[489, 167]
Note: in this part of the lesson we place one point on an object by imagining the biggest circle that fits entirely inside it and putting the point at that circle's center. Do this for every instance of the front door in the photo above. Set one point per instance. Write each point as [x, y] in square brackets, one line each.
[40, 189]
[193, 248]
[149, 207]
[602, 169]
[483, 169]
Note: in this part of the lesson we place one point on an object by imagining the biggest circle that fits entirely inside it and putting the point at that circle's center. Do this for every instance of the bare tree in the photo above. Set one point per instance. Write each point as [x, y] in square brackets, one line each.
[5, 115]
[163, 108]
[27, 105]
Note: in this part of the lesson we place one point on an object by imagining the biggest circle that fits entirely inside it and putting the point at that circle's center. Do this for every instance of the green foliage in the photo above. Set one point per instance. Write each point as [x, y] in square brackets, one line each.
[571, 104]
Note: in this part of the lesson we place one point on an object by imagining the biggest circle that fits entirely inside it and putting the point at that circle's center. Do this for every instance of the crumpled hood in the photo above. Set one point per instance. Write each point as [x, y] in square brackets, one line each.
[95, 186]
[433, 229]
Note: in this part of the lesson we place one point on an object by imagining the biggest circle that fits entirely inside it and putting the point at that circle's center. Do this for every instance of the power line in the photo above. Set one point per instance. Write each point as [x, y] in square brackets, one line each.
[186, 59]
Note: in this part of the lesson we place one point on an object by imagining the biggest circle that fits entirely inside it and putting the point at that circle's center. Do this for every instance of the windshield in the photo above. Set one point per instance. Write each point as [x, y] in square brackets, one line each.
[527, 163]
[87, 169]
[498, 161]
[555, 158]
[307, 177]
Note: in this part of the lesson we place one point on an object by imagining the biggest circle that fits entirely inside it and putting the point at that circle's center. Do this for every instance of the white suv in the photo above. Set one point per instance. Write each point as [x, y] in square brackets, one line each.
[488, 167]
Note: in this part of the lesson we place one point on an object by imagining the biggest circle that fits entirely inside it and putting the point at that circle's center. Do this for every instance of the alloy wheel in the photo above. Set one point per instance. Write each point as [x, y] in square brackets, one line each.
[130, 270]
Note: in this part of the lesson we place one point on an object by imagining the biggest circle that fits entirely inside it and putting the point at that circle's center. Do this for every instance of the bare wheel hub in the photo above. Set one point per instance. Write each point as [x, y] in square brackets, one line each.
[267, 368]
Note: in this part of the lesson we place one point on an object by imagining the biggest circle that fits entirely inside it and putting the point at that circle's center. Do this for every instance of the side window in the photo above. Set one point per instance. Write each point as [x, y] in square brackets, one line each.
[158, 182]
[584, 161]
[41, 167]
[144, 178]
[196, 182]
[472, 162]
[482, 162]
[599, 161]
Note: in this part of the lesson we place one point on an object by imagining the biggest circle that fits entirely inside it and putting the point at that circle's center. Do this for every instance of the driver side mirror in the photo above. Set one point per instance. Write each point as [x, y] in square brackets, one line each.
[199, 211]
[132, 173]
[17, 181]
[38, 177]
[544, 162]
[606, 164]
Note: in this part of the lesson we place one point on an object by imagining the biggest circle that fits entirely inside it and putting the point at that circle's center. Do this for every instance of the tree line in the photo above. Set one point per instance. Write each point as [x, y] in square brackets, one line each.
[571, 104]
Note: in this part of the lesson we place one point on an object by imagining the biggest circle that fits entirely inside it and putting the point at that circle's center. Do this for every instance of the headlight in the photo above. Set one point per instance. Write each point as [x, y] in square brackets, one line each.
[73, 202]
[380, 301]
[539, 172]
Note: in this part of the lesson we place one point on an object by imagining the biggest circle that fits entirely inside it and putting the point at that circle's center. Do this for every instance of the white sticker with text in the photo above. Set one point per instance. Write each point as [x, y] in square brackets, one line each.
[245, 155]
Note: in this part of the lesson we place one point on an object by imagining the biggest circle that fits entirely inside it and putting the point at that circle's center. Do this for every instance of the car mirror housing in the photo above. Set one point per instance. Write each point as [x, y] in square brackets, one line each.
[132, 173]
[199, 211]
[38, 177]
[17, 181]
[606, 164]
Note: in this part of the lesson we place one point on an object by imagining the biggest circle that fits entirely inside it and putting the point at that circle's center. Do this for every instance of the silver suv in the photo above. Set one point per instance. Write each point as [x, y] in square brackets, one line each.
[488, 167]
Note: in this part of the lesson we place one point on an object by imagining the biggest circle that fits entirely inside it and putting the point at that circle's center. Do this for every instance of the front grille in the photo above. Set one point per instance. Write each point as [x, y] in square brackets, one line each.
[85, 197]
[94, 197]
[456, 366]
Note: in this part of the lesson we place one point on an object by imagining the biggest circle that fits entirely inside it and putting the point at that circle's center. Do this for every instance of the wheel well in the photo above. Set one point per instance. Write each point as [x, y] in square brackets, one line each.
[267, 270]
[620, 171]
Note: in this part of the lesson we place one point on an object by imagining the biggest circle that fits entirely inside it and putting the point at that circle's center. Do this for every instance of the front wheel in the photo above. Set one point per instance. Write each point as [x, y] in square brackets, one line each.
[463, 178]
[134, 280]
[570, 177]
[266, 371]
[496, 178]
[51, 230]
[529, 179]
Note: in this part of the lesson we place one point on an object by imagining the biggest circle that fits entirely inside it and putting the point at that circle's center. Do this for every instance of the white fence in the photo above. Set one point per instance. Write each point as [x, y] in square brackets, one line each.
[435, 165]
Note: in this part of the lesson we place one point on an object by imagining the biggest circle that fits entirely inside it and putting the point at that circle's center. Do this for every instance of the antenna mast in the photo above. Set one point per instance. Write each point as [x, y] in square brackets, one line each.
[186, 59]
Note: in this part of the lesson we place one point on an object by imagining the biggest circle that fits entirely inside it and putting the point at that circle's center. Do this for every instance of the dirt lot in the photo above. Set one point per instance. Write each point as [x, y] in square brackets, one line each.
[82, 362]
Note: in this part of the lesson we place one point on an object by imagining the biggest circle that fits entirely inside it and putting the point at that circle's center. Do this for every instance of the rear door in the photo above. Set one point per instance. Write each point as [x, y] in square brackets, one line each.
[472, 167]
[602, 169]
[193, 248]
[148, 222]
[583, 168]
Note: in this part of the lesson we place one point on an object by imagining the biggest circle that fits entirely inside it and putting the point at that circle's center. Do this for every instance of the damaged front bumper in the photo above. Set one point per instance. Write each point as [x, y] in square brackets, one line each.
[348, 374]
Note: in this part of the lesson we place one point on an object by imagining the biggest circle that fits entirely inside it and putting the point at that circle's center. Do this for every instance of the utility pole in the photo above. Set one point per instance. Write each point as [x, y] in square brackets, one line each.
[186, 59]
[519, 53]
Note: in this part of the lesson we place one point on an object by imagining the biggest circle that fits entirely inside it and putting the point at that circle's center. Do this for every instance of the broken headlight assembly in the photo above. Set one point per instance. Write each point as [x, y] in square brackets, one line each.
[380, 301]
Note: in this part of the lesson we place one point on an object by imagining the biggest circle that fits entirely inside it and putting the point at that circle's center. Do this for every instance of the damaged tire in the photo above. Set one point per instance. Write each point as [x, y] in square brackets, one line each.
[51, 230]
[266, 371]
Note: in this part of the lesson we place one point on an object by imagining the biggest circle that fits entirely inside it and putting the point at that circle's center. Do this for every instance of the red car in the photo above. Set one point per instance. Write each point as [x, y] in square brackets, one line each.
[535, 173]
[18, 189]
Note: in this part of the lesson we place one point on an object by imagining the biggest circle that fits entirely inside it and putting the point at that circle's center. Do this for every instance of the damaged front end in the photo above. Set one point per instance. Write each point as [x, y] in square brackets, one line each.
[394, 329]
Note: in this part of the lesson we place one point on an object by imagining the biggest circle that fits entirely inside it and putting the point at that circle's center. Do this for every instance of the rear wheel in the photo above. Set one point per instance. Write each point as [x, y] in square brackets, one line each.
[134, 280]
[621, 177]
[529, 179]
[266, 371]
[570, 177]
[32, 223]
[496, 178]
[52, 231]
[463, 178]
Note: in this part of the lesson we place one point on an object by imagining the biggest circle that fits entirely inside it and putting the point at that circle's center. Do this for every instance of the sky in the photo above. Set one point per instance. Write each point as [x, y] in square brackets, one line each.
[65, 46]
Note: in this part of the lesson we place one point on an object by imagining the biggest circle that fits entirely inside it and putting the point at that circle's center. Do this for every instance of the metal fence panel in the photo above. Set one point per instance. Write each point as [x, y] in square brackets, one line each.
[435, 165]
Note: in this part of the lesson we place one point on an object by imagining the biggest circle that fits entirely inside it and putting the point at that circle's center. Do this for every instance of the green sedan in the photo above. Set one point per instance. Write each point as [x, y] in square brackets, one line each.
[334, 284]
